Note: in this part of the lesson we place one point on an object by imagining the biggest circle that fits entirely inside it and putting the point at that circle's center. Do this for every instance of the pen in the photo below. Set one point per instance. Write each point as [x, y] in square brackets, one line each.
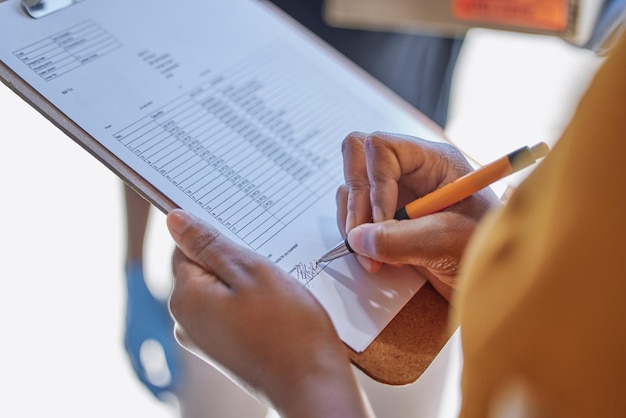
[456, 191]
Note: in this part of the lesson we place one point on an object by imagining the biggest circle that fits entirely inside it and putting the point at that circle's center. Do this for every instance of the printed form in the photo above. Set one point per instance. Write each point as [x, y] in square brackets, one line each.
[235, 114]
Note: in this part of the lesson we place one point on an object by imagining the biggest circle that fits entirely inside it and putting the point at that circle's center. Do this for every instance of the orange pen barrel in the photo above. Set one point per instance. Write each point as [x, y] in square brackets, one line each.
[472, 182]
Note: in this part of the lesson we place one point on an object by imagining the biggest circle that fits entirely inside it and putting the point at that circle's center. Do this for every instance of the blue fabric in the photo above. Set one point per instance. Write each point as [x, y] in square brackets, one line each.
[148, 318]
[609, 25]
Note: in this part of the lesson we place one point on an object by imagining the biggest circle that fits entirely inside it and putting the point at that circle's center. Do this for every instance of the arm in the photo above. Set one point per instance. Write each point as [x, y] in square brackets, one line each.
[384, 172]
[254, 321]
[147, 318]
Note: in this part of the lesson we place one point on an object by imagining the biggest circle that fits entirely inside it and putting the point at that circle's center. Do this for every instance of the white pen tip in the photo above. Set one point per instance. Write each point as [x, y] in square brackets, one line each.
[539, 150]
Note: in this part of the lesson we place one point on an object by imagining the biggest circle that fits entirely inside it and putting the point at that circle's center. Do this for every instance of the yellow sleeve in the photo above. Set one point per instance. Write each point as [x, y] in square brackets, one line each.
[542, 302]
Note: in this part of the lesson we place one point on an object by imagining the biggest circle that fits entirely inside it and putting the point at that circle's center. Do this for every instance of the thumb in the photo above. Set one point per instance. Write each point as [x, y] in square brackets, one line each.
[203, 245]
[435, 242]
[187, 231]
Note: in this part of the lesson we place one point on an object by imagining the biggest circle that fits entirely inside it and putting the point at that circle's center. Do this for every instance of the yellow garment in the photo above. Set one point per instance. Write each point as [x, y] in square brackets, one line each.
[542, 301]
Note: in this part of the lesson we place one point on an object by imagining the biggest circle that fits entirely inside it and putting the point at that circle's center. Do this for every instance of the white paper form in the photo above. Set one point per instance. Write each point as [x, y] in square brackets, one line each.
[233, 113]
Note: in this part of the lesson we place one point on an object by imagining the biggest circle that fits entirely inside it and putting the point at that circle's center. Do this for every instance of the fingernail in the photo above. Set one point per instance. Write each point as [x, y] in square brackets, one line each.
[361, 239]
[178, 221]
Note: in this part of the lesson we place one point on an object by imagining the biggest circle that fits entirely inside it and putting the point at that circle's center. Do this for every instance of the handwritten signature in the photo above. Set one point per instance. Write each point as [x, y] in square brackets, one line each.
[305, 272]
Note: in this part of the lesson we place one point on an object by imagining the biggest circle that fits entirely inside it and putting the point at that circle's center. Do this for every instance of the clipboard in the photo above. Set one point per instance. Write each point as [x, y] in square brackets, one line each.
[399, 354]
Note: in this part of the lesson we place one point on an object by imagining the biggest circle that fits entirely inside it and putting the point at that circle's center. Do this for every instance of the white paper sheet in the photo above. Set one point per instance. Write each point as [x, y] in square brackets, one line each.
[234, 113]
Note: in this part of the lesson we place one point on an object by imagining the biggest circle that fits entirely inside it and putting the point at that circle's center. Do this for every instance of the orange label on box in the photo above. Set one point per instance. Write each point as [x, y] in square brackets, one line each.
[537, 14]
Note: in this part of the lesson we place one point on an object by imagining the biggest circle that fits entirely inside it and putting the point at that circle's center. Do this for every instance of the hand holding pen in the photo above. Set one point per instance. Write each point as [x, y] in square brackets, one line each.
[384, 172]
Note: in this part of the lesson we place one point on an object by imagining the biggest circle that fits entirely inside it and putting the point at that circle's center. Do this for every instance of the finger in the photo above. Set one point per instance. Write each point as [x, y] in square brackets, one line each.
[181, 336]
[369, 264]
[402, 168]
[358, 209]
[194, 288]
[341, 198]
[186, 273]
[384, 172]
[208, 248]
[435, 242]
[395, 161]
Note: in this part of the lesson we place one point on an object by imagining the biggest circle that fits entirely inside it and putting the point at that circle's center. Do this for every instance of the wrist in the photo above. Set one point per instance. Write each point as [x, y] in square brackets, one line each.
[325, 387]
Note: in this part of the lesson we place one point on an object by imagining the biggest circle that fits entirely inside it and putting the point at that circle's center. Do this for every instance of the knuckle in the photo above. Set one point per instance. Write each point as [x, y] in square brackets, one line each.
[353, 139]
[382, 243]
[450, 152]
[204, 241]
[375, 142]
[448, 265]
[378, 136]
[357, 189]
[342, 191]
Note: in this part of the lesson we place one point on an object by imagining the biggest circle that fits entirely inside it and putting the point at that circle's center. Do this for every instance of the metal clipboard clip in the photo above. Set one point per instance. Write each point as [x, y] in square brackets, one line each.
[41, 8]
